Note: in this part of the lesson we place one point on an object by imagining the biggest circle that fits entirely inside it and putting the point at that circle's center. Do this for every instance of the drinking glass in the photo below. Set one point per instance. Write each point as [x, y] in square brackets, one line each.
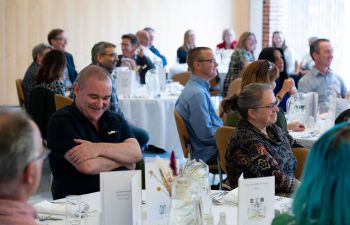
[185, 204]
[73, 209]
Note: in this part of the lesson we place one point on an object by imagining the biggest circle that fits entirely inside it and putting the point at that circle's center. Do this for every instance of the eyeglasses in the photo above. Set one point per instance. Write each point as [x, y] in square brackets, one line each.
[44, 153]
[207, 60]
[270, 106]
[61, 39]
[111, 54]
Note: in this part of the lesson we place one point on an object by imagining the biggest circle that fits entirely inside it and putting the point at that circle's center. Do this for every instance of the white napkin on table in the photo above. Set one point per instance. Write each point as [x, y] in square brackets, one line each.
[51, 208]
[231, 197]
[58, 208]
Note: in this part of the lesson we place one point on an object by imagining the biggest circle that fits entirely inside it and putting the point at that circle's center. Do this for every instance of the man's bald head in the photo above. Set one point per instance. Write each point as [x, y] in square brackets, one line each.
[92, 71]
[143, 37]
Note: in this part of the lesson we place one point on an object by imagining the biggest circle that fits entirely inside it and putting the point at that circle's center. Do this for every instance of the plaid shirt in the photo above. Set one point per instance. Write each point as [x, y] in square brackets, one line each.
[238, 58]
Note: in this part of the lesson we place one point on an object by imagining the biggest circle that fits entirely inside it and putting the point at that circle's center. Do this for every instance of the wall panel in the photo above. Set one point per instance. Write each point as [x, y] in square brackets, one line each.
[25, 23]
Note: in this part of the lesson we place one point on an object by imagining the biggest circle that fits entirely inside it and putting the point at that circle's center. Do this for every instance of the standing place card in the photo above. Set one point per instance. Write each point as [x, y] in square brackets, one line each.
[121, 201]
[126, 82]
[158, 197]
[256, 200]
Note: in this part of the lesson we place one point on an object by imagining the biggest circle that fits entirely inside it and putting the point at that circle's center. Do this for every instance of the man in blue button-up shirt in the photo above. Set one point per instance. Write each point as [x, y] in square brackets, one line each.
[321, 79]
[195, 105]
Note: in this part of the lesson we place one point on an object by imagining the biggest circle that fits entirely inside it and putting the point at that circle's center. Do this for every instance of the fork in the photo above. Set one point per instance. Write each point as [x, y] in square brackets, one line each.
[219, 195]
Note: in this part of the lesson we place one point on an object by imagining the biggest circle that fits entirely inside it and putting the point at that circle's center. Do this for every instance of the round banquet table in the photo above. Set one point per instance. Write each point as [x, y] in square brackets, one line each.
[156, 116]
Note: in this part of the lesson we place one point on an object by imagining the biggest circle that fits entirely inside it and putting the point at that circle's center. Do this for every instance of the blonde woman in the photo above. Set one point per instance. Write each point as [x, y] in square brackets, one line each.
[189, 43]
[243, 55]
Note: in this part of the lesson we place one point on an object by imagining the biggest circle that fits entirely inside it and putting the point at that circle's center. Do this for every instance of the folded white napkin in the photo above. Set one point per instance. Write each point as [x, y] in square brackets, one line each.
[58, 208]
[231, 197]
[51, 208]
[282, 204]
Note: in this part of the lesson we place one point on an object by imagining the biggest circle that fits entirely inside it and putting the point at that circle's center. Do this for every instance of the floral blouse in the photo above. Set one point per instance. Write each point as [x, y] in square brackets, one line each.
[255, 155]
[56, 86]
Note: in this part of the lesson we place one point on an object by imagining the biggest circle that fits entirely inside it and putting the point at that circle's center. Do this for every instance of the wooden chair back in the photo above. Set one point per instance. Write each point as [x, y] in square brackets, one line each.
[20, 93]
[223, 136]
[182, 78]
[61, 101]
[301, 156]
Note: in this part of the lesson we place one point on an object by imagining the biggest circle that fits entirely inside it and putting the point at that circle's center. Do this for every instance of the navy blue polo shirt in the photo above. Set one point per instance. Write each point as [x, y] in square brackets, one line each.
[68, 124]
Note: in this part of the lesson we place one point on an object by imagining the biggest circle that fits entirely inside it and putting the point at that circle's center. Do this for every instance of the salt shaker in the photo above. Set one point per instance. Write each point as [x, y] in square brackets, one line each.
[222, 220]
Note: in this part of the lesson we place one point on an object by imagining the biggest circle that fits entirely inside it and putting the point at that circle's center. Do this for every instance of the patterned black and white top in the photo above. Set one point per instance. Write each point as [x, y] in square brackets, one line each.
[56, 86]
[29, 82]
[238, 58]
[254, 154]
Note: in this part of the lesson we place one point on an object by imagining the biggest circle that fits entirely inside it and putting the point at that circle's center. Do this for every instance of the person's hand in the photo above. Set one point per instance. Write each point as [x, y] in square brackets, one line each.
[84, 151]
[130, 63]
[296, 126]
[140, 52]
[288, 84]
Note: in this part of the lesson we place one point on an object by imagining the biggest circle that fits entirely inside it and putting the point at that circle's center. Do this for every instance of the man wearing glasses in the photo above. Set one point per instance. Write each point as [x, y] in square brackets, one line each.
[21, 156]
[104, 54]
[87, 139]
[196, 108]
[58, 40]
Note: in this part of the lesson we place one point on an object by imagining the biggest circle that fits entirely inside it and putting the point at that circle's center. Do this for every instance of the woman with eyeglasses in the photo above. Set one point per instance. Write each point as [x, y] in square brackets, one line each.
[259, 148]
[263, 71]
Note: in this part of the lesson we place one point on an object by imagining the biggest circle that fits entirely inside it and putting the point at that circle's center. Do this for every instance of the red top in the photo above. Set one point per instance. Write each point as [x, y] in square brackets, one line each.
[222, 45]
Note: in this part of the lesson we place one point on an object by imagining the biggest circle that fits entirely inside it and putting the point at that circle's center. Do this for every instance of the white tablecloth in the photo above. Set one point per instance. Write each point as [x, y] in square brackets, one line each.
[305, 138]
[156, 116]
[93, 218]
[93, 200]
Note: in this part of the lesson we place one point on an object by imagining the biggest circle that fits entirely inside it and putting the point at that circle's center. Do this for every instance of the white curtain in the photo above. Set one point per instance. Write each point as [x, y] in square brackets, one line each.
[325, 19]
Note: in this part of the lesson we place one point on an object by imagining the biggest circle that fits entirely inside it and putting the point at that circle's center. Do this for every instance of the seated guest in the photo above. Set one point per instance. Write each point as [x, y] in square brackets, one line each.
[29, 79]
[87, 139]
[130, 57]
[58, 40]
[307, 62]
[262, 71]
[228, 40]
[243, 55]
[323, 194]
[196, 107]
[259, 148]
[103, 54]
[151, 32]
[188, 44]
[51, 72]
[278, 41]
[21, 157]
[145, 41]
[321, 78]
[284, 84]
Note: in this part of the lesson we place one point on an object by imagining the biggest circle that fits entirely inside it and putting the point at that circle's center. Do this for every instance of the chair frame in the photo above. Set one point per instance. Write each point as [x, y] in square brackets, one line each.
[61, 101]
[301, 155]
[223, 136]
[20, 93]
[186, 144]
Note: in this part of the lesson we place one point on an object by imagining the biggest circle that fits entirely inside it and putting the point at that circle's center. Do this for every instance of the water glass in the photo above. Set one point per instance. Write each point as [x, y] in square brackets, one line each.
[73, 210]
[185, 205]
[200, 172]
